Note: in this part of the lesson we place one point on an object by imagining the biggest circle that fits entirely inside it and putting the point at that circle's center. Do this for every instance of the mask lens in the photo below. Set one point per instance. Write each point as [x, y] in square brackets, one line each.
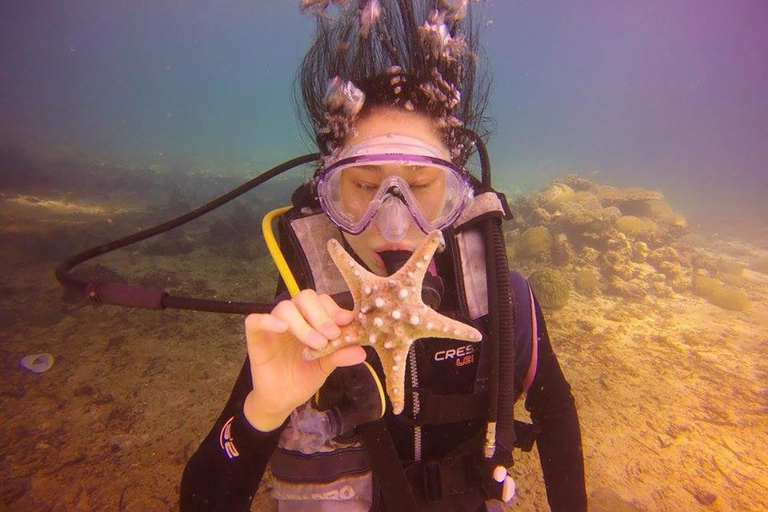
[353, 191]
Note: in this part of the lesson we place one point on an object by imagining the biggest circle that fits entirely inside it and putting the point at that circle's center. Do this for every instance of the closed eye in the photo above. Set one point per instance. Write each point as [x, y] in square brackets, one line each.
[367, 187]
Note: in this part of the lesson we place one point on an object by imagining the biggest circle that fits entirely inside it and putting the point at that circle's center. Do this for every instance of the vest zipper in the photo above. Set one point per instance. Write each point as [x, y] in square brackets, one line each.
[416, 406]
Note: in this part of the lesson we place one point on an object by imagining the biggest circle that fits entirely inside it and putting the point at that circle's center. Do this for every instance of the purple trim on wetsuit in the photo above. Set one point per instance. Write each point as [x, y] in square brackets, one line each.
[526, 330]
[534, 347]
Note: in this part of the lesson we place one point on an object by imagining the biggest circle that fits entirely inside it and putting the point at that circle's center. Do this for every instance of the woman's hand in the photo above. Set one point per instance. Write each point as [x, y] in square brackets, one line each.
[282, 379]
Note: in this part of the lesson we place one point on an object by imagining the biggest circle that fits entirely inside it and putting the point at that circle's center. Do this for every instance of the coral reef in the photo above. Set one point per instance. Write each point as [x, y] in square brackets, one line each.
[625, 197]
[656, 209]
[636, 227]
[551, 288]
[625, 242]
[586, 214]
[553, 196]
[640, 252]
[657, 285]
[675, 265]
[578, 183]
[588, 256]
[616, 259]
[562, 251]
[510, 252]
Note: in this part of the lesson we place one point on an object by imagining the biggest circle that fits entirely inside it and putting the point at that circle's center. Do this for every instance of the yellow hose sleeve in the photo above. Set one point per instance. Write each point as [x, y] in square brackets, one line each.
[275, 252]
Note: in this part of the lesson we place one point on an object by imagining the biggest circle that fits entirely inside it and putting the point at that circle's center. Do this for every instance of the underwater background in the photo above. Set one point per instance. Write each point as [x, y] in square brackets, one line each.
[116, 116]
[668, 95]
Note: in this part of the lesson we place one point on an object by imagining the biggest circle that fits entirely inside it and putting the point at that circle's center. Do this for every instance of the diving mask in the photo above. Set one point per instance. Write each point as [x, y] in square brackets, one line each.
[393, 180]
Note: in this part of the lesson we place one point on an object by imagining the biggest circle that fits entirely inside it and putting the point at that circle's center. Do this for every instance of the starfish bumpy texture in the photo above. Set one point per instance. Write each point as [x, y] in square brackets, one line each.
[390, 314]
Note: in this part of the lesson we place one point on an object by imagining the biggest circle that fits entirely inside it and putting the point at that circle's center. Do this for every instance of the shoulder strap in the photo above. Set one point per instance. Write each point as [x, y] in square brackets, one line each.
[308, 234]
[469, 252]
[386, 465]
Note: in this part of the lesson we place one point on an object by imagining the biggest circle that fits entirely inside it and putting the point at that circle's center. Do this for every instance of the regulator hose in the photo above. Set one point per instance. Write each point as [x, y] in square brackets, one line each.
[155, 298]
[505, 433]
[501, 316]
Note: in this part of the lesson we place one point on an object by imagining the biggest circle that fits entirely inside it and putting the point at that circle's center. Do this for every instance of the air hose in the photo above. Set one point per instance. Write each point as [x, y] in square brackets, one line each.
[156, 298]
[505, 433]
[501, 316]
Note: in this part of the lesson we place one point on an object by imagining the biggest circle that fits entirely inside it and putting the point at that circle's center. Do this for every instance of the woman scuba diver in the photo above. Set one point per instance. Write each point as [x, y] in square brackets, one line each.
[393, 93]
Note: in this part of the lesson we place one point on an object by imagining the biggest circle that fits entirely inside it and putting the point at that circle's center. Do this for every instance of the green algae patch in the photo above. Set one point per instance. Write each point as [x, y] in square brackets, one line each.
[551, 288]
[585, 282]
[719, 295]
[737, 281]
[535, 242]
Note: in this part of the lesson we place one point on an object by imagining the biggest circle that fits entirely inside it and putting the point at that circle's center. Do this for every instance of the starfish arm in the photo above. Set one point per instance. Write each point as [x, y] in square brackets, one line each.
[432, 324]
[393, 363]
[353, 273]
[416, 266]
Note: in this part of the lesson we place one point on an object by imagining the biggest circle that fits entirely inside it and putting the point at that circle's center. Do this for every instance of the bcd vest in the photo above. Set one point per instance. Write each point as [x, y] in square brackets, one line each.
[338, 476]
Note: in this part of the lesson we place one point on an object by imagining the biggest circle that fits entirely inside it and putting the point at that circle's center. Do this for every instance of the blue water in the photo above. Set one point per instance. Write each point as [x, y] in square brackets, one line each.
[660, 94]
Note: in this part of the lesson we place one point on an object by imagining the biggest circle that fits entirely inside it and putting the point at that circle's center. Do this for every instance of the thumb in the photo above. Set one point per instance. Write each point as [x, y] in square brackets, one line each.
[346, 356]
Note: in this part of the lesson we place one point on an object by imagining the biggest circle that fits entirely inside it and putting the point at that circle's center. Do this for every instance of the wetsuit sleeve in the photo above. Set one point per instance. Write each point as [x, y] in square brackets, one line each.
[225, 471]
[553, 410]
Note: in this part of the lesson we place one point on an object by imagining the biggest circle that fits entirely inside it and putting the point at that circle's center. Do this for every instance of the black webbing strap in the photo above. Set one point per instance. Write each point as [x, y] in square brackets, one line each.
[525, 435]
[386, 466]
[457, 473]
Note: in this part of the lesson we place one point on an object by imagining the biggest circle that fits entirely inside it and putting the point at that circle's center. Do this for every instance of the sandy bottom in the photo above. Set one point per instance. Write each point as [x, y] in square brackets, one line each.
[672, 393]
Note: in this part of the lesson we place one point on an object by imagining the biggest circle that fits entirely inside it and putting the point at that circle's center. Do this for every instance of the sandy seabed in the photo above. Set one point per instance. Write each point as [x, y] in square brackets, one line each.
[672, 393]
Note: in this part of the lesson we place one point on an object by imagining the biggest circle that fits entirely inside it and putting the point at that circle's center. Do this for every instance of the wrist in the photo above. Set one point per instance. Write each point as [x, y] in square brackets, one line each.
[259, 418]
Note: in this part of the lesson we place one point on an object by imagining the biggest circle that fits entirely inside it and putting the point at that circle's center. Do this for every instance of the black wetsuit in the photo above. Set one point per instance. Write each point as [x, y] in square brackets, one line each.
[214, 482]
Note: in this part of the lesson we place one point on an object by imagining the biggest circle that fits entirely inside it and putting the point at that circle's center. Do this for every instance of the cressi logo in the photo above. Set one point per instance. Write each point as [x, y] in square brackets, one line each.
[226, 442]
[461, 356]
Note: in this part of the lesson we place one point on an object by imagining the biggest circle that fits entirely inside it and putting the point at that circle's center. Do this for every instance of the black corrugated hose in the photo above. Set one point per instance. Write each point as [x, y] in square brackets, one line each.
[505, 433]
[155, 298]
[501, 322]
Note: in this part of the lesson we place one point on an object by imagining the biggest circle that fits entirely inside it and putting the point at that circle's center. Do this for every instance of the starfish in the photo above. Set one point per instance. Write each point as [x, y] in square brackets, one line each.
[390, 314]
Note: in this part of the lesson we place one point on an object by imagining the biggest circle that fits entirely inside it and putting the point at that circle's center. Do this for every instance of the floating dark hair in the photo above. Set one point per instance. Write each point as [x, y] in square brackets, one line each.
[416, 55]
